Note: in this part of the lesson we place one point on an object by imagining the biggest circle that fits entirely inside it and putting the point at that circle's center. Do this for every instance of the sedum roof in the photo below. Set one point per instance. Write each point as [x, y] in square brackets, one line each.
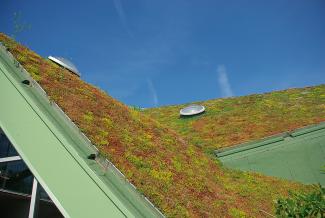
[58, 155]
[164, 163]
[231, 121]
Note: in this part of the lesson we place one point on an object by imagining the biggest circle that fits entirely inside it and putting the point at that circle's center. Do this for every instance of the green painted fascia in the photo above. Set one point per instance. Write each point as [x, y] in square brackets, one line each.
[298, 156]
[248, 146]
[103, 174]
[307, 129]
[267, 141]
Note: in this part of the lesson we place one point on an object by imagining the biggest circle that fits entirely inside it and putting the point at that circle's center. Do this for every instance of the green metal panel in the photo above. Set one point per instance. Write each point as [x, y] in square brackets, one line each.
[297, 156]
[56, 153]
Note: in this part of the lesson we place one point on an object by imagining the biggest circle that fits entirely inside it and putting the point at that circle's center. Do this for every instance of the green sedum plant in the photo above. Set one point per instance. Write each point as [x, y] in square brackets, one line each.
[303, 205]
[171, 167]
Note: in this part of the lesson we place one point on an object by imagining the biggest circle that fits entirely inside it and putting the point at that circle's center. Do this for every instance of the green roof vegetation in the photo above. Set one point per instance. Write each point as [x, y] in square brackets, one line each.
[58, 154]
[231, 121]
[162, 154]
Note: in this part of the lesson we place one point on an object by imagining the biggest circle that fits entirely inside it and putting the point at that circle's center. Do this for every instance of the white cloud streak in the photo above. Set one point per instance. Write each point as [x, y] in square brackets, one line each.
[120, 11]
[224, 82]
[153, 92]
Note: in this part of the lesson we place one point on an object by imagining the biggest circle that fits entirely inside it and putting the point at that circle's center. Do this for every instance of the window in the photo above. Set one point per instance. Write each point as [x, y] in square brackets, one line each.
[17, 184]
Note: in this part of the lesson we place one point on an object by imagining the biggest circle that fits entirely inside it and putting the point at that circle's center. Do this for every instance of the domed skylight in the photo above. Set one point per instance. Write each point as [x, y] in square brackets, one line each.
[65, 63]
[192, 110]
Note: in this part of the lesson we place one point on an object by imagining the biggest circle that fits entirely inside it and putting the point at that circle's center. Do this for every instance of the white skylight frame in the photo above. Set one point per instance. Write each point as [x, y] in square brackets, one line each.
[192, 110]
[66, 64]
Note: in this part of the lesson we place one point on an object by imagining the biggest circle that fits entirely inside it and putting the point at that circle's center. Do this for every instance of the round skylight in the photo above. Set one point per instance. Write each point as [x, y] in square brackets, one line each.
[65, 63]
[192, 110]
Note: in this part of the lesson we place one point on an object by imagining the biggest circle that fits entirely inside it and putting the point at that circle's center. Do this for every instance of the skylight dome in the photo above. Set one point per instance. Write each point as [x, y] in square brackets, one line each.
[65, 63]
[192, 110]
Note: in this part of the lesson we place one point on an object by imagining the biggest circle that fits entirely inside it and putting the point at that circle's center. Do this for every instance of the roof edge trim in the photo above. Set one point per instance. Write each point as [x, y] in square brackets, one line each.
[268, 140]
[42, 94]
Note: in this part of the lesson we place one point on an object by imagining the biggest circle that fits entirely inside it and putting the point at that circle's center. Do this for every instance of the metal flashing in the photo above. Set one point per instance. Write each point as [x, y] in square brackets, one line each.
[298, 155]
[54, 149]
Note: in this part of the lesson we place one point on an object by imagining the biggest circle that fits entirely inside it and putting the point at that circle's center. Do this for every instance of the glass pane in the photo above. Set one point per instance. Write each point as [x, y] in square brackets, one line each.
[16, 182]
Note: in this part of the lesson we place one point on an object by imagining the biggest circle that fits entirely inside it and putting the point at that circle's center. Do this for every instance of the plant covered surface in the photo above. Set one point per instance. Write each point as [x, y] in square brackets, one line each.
[303, 205]
[177, 176]
[231, 121]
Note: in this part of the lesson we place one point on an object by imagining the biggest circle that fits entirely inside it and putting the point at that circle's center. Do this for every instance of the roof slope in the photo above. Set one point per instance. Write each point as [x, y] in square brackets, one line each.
[175, 175]
[58, 156]
[298, 156]
[231, 121]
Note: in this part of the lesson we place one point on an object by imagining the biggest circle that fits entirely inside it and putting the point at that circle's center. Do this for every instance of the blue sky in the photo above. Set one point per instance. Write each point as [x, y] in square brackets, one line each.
[152, 53]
